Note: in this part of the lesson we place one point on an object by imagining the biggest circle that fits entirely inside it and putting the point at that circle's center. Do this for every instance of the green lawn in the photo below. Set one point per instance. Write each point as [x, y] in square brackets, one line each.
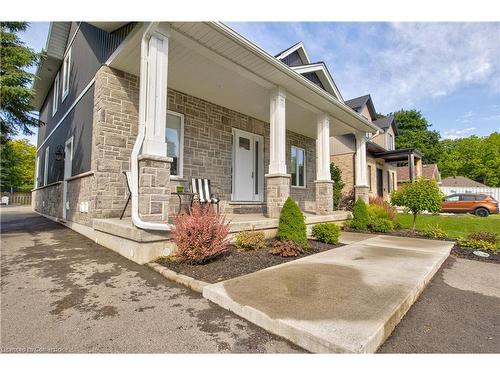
[454, 226]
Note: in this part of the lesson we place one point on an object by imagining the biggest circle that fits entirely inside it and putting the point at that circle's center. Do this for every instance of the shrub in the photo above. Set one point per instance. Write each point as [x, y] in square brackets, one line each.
[286, 248]
[250, 240]
[347, 201]
[476, 244]
[292, 224]
[326, 232]
[389, 209]
[360, 217]
[338, 184]
[483, 236]
[434, 232]
[418, 196]
[377, 212]
[201, 235]
[381, 225]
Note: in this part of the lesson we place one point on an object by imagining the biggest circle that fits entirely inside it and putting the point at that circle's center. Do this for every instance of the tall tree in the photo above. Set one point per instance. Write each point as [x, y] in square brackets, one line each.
[17, 165]
[15, 82]
[414, 132]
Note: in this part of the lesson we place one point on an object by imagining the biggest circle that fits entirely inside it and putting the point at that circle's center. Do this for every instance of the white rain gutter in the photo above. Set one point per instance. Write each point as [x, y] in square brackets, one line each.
[374, 135]
[138, 222]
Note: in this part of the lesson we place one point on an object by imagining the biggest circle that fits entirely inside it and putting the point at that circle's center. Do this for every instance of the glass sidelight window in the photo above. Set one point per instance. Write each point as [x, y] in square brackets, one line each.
[175, 139]
[298, 167]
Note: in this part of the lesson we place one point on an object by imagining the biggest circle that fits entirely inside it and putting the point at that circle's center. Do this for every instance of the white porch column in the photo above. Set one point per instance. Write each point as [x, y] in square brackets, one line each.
[156, 93]
[323, 148]
[277, 164]
[361, 185]
[277, 180]
[323, 183]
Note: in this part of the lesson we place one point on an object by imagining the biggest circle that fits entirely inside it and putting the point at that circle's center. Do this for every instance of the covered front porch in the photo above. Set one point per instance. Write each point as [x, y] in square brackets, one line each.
[237, 116]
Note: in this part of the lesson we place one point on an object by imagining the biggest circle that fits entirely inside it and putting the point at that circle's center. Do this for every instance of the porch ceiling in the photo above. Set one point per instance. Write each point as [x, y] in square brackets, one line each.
[197, 67]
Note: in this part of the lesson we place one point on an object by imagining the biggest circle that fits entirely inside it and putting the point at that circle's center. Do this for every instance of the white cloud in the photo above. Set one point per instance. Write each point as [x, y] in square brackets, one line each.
[458, 133]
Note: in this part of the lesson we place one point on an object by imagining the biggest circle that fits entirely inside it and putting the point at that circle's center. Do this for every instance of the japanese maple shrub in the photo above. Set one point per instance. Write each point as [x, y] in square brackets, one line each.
[292, 225]
[200, 236]
[418, 196]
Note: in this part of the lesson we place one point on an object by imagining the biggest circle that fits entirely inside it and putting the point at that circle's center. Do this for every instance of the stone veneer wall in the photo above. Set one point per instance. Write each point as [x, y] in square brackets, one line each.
[380, 163]
[116, 121]
[80, 191]
[47, 200]
[346, 164]
[208, 146]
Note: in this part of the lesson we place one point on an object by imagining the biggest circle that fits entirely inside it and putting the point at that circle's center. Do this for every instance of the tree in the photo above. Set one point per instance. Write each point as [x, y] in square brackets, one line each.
[15, 82]
[414, 132]
[17, 165]
[421, 195]
[338, 185]
[474, 157]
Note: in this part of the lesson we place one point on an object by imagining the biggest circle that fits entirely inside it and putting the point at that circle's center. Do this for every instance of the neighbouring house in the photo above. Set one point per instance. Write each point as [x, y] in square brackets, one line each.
[430, 171]
[461, 184]
[379, 147]
[172, 101]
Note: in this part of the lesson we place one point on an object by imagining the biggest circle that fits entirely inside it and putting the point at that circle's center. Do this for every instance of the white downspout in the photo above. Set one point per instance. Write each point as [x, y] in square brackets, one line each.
[374, 135]
[138, 222]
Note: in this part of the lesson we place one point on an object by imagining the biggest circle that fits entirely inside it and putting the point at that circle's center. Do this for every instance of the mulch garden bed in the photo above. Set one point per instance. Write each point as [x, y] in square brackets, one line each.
[398, 233]
[233, 262]
[462, 252]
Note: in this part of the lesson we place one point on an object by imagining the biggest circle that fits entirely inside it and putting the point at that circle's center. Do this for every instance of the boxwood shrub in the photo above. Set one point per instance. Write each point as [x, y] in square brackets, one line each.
[326, 232]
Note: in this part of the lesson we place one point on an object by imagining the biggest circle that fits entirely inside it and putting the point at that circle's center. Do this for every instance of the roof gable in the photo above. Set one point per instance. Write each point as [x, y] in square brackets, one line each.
[322, 75]
[385, 123]
[358, 103]
[300, 51]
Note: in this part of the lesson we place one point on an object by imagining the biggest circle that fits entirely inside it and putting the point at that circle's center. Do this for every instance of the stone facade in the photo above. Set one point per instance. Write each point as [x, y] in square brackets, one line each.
[47, 200]
[374, 163]
[346, 164]
[116, 120]
[154, 189]
[277, 191]
[361, 192]
[80, 192]
[324, 197]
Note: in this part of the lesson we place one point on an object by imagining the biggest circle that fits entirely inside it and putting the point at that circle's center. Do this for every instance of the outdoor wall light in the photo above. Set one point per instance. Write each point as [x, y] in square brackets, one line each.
[59, 153]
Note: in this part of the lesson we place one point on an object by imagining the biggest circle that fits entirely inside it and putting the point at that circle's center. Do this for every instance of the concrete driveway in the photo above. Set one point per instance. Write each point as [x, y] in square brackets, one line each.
[61, 292]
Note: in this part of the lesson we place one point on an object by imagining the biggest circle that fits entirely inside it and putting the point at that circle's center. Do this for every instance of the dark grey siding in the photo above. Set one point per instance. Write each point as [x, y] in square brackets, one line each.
[90, 49]
[293, 59]
[313, 77]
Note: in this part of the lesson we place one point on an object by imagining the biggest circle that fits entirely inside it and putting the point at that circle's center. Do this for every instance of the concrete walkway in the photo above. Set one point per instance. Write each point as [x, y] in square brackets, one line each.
[347, 299]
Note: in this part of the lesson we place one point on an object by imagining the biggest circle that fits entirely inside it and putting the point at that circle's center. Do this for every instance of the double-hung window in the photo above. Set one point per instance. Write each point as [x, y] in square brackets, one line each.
[55, 97]
[298, 167]
[66, 75]
[175, 140]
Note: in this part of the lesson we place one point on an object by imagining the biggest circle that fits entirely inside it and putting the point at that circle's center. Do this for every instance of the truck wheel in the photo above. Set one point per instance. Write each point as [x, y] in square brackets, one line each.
[482, 212]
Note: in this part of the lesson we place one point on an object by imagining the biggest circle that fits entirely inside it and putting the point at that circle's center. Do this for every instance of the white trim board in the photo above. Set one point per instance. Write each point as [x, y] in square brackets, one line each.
[84, 91]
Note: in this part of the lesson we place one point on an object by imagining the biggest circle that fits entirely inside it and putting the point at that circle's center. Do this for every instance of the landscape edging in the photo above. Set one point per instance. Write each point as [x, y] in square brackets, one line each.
[188, 281]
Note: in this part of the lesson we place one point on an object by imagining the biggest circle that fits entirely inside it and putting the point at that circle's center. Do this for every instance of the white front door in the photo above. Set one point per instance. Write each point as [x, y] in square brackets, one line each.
[248, 166]
[68, 163]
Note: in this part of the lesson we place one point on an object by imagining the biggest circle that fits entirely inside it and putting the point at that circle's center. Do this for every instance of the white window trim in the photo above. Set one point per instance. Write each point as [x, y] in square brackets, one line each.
[37, 172]
[55, 96]
[46, 166]
[297, 169]
[390, 142]
[180, 174]
[66, 75]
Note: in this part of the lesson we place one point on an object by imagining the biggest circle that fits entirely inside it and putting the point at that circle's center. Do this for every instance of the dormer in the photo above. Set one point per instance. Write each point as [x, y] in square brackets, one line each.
[364, 106]
[297, 59]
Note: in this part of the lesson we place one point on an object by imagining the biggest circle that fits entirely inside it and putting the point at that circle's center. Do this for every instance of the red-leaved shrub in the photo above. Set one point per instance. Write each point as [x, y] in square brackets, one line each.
[201, 235]
[286, 248]
[388, 208]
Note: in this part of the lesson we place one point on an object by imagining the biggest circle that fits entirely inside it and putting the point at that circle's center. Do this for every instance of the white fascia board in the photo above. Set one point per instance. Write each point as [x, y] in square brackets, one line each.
[320, 68]
[302, 51]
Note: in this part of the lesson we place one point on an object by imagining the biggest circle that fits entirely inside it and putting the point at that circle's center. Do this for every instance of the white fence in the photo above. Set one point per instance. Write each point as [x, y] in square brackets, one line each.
[494, 192]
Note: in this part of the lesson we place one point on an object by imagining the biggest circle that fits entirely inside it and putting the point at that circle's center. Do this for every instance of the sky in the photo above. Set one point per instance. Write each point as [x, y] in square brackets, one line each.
[448, 71]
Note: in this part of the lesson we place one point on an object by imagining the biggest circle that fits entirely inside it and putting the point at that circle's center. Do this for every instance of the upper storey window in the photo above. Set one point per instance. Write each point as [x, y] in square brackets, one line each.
[55, 98]
[66, 75]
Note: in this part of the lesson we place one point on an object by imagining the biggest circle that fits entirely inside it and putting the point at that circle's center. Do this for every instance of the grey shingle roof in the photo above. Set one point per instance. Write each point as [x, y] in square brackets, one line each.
[358, 102]
[461, 181]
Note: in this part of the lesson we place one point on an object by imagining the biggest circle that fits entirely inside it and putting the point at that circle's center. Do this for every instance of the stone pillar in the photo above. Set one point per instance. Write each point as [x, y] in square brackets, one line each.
[277, 180]
[418, 167]
[323, 183]
[411, 166]
[361, 188]
[277, 191]
[154, 188]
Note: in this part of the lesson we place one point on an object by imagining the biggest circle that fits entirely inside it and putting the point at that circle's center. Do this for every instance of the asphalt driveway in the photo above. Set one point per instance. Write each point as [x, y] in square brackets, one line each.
[61, 292]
